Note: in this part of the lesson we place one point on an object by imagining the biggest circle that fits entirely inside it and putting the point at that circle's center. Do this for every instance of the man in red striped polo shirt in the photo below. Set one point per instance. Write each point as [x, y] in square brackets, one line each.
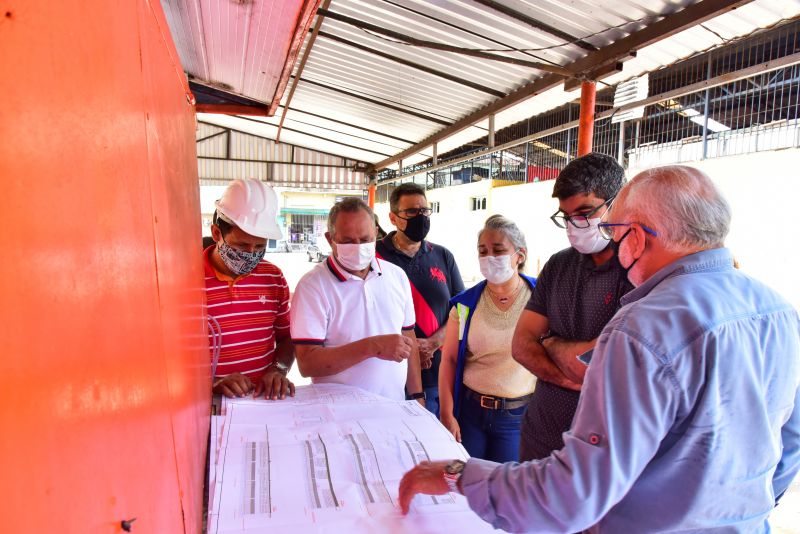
[247, 297]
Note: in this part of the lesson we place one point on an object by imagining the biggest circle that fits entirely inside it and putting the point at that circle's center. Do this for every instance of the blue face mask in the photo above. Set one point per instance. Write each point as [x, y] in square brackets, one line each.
[239, 261]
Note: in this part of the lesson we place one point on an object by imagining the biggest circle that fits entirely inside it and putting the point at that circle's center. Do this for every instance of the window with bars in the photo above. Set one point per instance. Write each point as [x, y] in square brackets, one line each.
[478, 203]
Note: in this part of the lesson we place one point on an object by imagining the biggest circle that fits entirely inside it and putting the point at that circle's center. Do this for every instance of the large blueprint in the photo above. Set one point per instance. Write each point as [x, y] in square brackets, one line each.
[328, 460]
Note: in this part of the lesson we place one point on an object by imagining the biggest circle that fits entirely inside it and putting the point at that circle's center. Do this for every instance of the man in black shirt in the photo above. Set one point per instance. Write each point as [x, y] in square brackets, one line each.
[576, 294]
[433, 274]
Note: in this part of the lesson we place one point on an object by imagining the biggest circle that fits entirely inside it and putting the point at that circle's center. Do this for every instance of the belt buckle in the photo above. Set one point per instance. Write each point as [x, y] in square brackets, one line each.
[494, 402]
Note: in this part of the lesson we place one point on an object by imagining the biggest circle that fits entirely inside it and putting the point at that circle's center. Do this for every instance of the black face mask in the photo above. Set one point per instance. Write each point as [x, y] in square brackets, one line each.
[417, 228]
[615, 246]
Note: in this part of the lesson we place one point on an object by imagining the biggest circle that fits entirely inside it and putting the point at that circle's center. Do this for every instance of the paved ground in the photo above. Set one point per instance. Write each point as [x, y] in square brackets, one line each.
[786, 517]
[294, 265]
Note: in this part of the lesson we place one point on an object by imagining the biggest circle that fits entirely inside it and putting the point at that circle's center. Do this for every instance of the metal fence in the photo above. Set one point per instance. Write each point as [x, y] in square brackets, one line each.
[751, 114]
[736, 99]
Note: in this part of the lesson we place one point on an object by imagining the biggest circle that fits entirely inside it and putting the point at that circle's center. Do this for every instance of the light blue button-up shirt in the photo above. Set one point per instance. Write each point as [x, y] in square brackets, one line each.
[689, 417]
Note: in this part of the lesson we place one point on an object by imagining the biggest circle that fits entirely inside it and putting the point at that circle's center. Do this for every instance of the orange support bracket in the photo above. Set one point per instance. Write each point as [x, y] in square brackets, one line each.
[233, 109]
[371, 188]
[586, 122]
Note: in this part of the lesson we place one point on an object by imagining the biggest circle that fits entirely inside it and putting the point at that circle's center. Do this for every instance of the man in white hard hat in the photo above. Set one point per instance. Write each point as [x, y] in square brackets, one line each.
[247, 297]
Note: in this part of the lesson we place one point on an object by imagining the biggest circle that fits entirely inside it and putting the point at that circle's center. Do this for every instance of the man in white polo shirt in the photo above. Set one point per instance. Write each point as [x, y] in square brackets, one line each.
[352, 316]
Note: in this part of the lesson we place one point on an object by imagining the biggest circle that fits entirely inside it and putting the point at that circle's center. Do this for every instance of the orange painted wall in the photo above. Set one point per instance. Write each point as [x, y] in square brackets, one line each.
[104, 363]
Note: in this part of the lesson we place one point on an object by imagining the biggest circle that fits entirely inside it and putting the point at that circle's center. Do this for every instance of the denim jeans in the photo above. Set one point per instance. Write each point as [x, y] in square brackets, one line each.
[432, 400]
[490, 434]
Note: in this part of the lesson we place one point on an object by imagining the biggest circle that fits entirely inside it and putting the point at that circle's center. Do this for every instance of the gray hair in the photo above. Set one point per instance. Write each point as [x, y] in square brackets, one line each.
[681, 203]
[508, 229]
[347, 205]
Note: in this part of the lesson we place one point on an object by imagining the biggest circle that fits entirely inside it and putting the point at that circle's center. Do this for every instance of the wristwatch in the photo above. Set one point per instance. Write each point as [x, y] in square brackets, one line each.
[280, 366]
[415, 396]
[452, 474]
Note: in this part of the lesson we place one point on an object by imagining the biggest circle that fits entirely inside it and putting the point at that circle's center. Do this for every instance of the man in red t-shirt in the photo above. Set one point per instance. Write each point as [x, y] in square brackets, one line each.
[247, 297]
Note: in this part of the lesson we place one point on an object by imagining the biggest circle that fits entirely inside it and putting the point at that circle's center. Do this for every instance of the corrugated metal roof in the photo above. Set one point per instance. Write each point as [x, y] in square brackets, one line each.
[354, 101]
[738, 23]
[237, 46]
[226, 154]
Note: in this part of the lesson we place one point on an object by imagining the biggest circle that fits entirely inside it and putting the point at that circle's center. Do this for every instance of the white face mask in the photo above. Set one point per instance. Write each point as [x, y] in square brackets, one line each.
[587, 240]
[355, 257]
[497, 269]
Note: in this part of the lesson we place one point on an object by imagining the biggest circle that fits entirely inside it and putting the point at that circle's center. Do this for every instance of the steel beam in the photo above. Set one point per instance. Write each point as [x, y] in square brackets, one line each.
[377, 102]
[272, 140]
[530, 21]
[546, 67]
[418, 66]
[666, 27]
[278, 162]
[722, 79]
[300, 67]
[356, 126]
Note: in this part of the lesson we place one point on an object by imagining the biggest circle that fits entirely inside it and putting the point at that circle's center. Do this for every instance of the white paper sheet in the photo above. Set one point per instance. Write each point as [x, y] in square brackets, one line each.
[328, 460]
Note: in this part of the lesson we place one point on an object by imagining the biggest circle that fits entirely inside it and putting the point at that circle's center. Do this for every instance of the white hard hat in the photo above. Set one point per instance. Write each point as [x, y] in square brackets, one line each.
[252, 206]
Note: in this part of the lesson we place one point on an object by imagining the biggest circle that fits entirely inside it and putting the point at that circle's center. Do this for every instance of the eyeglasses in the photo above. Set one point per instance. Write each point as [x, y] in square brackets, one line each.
[578, 221]
[607, 229]
[410, 213]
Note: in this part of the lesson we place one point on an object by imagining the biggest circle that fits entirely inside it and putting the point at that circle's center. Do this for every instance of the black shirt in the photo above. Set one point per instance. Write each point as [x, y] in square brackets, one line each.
[578, 298]
[435, 279]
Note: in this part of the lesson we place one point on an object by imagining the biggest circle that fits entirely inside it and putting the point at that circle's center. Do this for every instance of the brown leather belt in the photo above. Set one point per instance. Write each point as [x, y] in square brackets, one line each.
[496, 403]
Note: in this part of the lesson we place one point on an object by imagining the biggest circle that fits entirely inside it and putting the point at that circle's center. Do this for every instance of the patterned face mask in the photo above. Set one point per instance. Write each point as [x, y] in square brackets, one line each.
[239, 261]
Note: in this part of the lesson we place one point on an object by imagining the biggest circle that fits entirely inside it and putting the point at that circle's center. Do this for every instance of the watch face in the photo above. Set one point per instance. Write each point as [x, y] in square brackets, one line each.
[454, 467]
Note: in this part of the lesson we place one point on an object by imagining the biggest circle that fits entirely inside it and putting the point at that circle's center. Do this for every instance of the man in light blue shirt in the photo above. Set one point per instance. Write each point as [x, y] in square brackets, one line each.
[689, 418]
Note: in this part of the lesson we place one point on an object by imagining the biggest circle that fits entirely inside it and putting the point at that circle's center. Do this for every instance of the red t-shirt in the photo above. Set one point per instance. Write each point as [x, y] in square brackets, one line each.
[253, 314]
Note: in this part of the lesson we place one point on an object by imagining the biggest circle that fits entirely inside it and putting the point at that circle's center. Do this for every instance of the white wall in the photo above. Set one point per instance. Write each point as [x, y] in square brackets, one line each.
[456, 225]
[209, 194]
[762, 188]
[530, 206]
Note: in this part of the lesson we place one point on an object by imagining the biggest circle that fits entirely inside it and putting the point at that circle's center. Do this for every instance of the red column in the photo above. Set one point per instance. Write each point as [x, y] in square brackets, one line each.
[586, 123]
[372, 186]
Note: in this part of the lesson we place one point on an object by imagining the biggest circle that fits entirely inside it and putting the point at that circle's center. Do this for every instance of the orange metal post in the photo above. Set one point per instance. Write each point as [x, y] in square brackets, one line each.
[371, 195]
[586, 123]
[105, 365]
[371, 188]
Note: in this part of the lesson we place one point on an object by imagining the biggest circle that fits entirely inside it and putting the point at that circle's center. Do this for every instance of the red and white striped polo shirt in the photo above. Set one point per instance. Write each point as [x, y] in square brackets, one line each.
[253, 313]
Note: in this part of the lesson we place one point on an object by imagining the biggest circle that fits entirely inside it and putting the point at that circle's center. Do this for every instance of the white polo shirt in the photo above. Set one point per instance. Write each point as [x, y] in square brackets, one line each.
[332, 307]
